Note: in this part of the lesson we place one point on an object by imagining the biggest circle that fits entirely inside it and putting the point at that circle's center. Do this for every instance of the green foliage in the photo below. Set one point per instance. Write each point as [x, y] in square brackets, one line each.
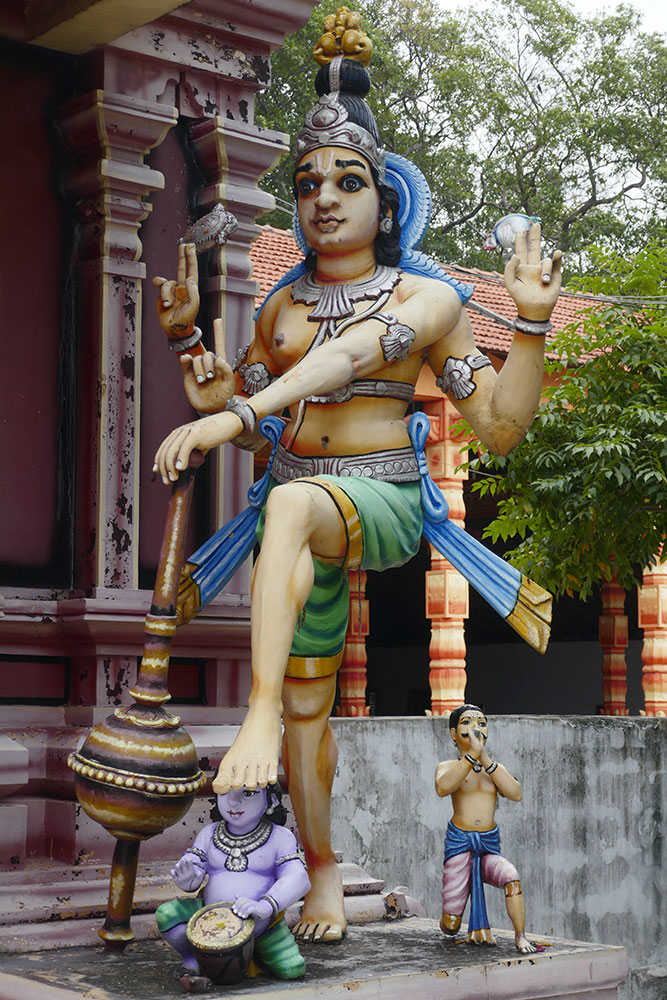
[586, 491]
[524, 106]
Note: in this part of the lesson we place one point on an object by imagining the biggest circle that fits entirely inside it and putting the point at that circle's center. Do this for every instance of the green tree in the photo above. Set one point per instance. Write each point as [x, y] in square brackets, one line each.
[525, 106]
[586, 491]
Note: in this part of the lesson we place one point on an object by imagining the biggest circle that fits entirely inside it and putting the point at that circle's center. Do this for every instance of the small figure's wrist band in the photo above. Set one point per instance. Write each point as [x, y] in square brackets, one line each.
[534, 328]
[475, 764]
[186, 343]
[244, 412]
[491, 768]
[274, 906]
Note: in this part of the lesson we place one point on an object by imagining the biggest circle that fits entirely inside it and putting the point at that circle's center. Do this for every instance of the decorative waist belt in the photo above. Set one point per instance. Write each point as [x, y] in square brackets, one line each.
[399, 465]
[373, 387]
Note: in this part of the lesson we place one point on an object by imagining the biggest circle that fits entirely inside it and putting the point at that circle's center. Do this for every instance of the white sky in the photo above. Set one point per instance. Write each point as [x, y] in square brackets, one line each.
[654, 11]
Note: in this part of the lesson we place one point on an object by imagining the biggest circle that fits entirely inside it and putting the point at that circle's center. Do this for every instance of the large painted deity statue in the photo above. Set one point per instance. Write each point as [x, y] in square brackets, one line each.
[340, 343]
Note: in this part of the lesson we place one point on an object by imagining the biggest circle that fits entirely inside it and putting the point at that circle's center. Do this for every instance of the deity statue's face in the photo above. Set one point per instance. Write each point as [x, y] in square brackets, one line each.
[470, 719]
[242, 808]
[338, 202]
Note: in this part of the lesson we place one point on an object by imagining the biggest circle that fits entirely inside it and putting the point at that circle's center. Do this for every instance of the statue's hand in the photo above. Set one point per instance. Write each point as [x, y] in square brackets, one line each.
[246, 907]
[477, 743]
[174, 453]
[187, 875]
[209, 381]
[533, 282]
[178, 301]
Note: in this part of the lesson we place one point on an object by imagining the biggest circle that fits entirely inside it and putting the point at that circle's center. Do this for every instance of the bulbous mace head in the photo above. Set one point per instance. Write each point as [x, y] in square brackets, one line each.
[137, 773]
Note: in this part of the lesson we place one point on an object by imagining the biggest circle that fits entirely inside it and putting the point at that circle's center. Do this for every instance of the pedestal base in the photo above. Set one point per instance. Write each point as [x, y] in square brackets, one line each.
[394, 960]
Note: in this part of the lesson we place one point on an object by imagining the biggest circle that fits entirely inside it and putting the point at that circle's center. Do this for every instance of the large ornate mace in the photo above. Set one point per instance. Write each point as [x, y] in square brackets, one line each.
[137, 773]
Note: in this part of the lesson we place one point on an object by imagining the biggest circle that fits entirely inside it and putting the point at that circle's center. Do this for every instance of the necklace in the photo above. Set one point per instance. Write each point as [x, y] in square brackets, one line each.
[238, 847]
[336, 302]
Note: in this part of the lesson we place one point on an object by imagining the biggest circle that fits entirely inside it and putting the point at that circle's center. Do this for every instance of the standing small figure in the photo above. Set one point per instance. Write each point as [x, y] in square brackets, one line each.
[252, 861]
[472, 841]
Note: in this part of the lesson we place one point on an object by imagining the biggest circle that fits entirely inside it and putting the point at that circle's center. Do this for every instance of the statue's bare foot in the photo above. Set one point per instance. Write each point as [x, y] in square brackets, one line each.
[323, 917]
[450, 923]
[252, 759]
[481, 936]
[523, 945]
[192, 981]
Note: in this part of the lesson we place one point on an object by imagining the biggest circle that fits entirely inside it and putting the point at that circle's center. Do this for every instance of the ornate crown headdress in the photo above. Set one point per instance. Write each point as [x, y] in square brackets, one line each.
[328, 123]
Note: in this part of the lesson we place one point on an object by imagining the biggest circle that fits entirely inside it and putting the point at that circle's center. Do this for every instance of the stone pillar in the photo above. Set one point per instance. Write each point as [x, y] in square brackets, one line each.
[109, 135]
[613, 625]
[352, 674]
[446, 589]
[234, 157]
[653, 619]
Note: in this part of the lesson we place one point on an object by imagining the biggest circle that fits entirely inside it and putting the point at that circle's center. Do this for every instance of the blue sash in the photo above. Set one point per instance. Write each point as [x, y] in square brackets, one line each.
[459, 842]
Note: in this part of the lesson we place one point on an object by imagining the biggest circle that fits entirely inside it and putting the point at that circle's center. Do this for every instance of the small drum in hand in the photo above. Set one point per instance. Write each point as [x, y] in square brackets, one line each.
[222, 942]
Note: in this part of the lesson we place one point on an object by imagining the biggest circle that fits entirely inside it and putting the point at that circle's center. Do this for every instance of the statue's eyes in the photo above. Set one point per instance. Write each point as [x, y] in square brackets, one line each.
[352, 183]
[248, 793]
[307, 186]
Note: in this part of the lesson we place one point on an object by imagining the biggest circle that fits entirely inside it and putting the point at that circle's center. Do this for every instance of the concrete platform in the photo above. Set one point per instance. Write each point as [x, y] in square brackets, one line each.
[389, 960]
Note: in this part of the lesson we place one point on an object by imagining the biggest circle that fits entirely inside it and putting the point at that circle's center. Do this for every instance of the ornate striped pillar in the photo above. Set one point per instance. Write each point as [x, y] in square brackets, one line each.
[352, 674]
[613, 631]
[446, 589]
[653, 619]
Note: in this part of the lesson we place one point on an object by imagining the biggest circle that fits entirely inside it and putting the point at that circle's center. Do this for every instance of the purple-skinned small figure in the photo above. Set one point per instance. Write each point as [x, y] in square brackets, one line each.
[252, 861]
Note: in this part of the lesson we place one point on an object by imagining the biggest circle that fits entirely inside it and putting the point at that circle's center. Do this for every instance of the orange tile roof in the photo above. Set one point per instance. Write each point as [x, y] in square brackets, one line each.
[275, 252]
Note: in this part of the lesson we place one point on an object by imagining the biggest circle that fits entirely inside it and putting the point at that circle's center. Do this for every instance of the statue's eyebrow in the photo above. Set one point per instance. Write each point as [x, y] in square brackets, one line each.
[350, 163]
[306, 167]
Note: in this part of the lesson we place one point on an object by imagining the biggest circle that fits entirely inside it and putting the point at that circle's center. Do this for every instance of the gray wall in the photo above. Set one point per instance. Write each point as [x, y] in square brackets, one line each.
[588, 837]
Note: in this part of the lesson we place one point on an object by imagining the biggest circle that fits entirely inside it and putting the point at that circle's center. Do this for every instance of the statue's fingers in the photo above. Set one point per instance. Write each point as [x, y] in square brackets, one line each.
[158, 280]
[520, 246]
[182, 451]
[186, 363]
[208, 361]
[198, 368]
[546, 268]
[181, 266]
[557, 258]
[191, 265]
[534, 243]
[219, 337]
[167, 294]
[511, 268]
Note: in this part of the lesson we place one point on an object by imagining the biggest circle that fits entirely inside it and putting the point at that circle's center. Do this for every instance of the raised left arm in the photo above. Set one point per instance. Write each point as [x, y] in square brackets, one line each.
[500, 408]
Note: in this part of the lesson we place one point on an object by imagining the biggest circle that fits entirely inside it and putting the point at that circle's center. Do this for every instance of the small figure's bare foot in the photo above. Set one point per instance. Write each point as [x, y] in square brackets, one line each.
[450, 923]
[481, 936]
[252, 759]
[523, 945]
[192, 981]
[323, 917]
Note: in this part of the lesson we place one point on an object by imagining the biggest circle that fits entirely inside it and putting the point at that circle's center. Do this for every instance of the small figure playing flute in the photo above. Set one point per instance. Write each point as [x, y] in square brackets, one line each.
[472, 841]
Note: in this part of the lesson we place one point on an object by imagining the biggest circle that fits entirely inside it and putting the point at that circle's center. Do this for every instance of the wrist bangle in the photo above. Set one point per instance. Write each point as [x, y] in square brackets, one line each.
[475, 764]
[244, 412]
[491, 768]
[185, 343]
[274, 906]
[533, 327]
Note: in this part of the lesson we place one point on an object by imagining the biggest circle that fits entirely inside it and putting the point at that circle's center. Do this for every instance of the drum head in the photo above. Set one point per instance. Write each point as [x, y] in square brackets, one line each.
[216, 929]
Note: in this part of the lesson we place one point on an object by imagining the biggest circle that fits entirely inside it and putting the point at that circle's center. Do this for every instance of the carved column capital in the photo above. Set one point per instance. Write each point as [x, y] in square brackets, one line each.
[108, 136]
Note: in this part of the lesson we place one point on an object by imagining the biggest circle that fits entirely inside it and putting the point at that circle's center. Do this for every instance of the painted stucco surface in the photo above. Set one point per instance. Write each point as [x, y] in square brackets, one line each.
[588, 837]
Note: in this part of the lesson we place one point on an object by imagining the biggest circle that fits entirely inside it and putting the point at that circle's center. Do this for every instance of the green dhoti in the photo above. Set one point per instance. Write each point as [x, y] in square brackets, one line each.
[383, 523]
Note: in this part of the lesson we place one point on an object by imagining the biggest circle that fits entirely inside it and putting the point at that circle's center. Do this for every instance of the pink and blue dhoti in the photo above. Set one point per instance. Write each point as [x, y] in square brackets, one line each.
[471, 859]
